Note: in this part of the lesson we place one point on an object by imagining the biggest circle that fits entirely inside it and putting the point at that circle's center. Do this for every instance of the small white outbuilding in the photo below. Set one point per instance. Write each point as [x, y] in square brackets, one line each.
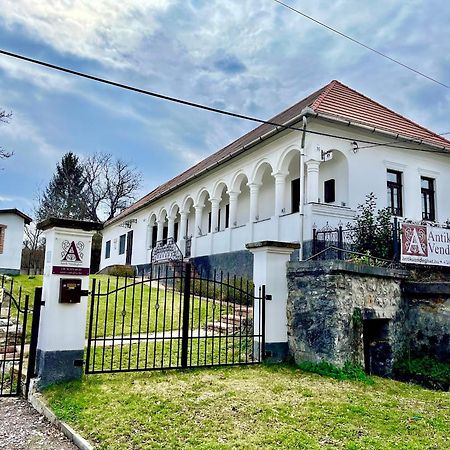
[12, 222]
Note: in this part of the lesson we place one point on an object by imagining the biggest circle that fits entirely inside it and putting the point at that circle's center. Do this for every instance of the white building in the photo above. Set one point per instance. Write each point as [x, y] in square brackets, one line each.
[275, 183]
[12, 222]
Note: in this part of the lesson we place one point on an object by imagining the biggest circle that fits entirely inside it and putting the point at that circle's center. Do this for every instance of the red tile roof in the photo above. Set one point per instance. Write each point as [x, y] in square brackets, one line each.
[342, 102]
[335, 100]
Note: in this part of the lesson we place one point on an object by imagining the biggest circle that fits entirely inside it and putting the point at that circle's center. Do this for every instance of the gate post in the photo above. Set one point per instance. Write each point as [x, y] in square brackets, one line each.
[269, 268]
[62, 328]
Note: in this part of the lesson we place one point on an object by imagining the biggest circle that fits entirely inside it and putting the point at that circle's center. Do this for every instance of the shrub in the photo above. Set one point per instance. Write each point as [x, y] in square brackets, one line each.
[234, 290]
[121, 271]
[350, 371]
[426, 371]
[373, 230]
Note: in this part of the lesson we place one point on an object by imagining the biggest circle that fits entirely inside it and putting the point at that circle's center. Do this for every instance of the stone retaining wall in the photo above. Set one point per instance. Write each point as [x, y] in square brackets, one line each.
[429, 319]
[331, 302]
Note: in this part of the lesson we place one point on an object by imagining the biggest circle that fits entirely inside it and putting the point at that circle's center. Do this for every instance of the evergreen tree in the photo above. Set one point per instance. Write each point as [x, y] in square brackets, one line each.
[65, 194]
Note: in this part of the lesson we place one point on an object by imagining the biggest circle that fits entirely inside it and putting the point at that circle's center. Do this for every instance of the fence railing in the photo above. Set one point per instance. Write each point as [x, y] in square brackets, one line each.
[340, 243]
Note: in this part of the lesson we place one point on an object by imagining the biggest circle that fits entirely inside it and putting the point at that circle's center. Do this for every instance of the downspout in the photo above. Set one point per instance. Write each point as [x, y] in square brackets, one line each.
[302, 188]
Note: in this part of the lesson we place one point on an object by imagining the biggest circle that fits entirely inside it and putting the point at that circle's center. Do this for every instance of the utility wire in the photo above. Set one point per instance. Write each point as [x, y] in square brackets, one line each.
[355, 41]
[127, 87]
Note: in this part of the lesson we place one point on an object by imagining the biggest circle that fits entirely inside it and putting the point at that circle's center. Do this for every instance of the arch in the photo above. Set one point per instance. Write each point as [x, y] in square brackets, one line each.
[162, 215]
[187, 203]
[336, 168]
[218, 189]
[173, 210]
[237, 180]
[152, 218]
[286, 157]
[202, 196]
[259, 170]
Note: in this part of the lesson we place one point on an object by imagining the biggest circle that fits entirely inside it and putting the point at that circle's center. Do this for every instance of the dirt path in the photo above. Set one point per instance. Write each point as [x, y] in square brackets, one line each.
[22, 428]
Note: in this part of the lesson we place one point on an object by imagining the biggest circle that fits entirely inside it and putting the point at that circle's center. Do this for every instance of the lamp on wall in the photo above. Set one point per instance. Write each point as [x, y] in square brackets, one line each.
[355, 147]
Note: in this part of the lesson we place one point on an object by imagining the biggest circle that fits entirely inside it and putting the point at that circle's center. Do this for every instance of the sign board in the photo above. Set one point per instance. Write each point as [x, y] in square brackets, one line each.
[69, 257]
[425, 244]
[166, 251]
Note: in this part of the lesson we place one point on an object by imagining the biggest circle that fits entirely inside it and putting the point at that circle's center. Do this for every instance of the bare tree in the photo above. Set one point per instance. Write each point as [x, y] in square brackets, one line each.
[4, 117]
[33, 249]
[111, 185]
[122, 184]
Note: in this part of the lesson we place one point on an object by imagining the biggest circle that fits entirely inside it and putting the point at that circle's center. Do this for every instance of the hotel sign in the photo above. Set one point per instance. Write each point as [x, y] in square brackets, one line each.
[424, 244]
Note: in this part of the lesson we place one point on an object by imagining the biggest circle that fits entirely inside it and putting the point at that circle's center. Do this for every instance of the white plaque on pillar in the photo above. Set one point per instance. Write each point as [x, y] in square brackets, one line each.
[71, 256]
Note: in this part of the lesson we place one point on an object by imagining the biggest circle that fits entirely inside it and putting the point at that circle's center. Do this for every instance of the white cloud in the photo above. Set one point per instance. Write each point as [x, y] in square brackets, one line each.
[104, 30]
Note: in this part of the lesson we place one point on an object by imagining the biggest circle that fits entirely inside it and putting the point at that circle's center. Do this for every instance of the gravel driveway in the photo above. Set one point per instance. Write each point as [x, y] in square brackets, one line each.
[22, 428]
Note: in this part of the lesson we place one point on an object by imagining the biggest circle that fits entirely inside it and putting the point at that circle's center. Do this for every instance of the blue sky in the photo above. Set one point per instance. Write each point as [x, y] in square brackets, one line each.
[252, 57]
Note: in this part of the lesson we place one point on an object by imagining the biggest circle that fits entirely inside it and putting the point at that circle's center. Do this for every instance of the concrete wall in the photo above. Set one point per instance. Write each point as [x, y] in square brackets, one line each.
[12, 250]
[238, 263]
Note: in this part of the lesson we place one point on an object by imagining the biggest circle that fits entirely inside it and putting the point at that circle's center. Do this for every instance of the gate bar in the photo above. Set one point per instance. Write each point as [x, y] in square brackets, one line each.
[31, 371]
[91, 318]
[185, 329]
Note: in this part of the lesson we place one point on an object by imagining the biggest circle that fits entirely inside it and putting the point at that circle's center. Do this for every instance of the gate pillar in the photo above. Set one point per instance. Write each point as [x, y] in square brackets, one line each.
[62, 329]
[269, 268]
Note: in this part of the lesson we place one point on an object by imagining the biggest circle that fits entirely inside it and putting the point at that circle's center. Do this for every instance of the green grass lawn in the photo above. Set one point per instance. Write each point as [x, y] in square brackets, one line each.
[141, 309]
[138, 309]
[257, 407]
[204, 351]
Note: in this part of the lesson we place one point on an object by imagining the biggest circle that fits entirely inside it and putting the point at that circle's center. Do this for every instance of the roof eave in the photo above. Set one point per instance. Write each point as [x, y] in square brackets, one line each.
[372, 129]
[305, 112]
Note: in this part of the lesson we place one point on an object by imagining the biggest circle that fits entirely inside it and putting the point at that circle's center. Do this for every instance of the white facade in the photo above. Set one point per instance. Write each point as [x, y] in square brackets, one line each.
[257, 187]
[11, 240]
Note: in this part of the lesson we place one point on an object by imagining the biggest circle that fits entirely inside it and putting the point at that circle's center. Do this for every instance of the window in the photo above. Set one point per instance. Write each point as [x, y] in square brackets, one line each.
[227, 216]
[295, 195]
[165, 234]
[122, 241]
[175, 231]
[428, 204]
[329, 191]
[154, 235]
[394, 192]
[209, 222]
[107, 249]
[2, 237]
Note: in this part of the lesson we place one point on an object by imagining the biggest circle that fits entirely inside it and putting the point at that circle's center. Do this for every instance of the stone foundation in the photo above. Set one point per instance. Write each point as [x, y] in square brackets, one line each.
[428, 319]
[339, 311]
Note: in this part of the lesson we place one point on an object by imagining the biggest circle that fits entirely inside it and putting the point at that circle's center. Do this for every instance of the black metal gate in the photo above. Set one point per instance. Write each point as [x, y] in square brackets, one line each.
[174, 318]
[18, 337]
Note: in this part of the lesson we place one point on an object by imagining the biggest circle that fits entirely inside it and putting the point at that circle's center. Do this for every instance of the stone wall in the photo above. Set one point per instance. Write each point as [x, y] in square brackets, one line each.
[332, 303]
[428, 319]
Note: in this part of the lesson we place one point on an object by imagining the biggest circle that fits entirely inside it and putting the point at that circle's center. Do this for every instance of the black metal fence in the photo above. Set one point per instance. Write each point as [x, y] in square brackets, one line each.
[18, 337]
[340, 243]
[174, 319]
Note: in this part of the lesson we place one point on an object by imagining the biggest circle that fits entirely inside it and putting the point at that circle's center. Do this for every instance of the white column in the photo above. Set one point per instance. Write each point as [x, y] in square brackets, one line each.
[62, 329]
[171, 227]
[269, 268]
[160, 230]
[312, 180]
[233, 207]
[254, 197]
[214, 214]
[183, 225]
[198, 219]
[280, 189]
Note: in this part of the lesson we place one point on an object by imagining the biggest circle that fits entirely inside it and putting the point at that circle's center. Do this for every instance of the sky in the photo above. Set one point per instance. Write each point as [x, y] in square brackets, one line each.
[247, 56]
